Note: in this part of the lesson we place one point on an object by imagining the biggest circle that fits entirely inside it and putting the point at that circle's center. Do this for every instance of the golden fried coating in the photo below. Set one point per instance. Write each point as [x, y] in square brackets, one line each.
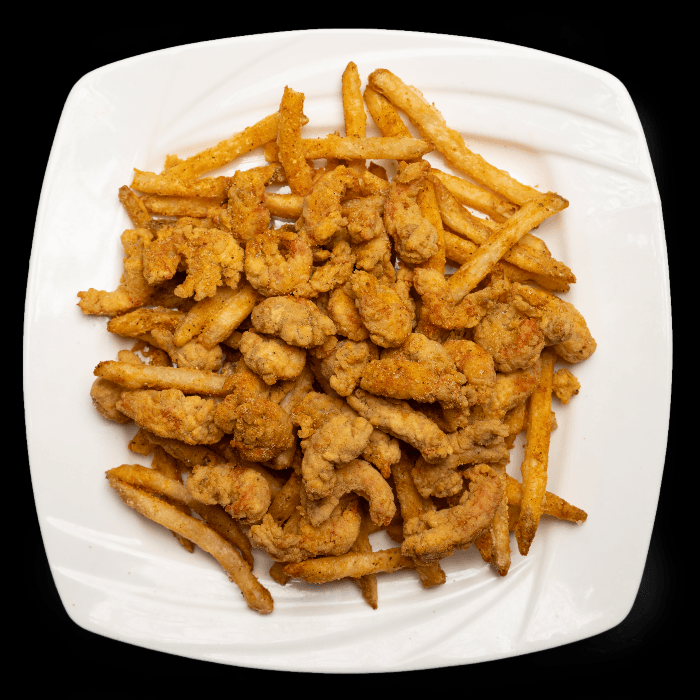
[513, 340]
[347, 363]
[365, 217]
[191, 355]
[398, 419]
[296, 321]
[136, 323]
[420, 370]
[247, 213]
[133, 290]
[335, 272]
[385, 312]
[272, 273]
[340, 439]
[343, 312]
[376, 251]
[105, 395]
[415, 237]
[382, 450]
[244, 494]
[512, 389]
[439, 480]
[476, 365]
[271, 358]
[321, 215]
[171, 414]
[363, 479]
[564, 384]
[433, 535]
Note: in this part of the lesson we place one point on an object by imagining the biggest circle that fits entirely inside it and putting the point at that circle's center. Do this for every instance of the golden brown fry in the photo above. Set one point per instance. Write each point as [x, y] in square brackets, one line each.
[189, 455]
[501, 241]
[291, 153]
[286, 206]
[227, 150]
[535, 460]
[198, 207]
[449, 142]
[170, 186]
[134, 207]
[377, 147]
[385, 115]
[499, 535]
[353, 109]
[428, 205]
[553, 504]
[368, 583]
[287, 499]
[235, 308]
[255, 594]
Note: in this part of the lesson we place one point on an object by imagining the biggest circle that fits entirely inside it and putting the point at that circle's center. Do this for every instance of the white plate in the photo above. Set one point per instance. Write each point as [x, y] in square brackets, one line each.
[551, 122]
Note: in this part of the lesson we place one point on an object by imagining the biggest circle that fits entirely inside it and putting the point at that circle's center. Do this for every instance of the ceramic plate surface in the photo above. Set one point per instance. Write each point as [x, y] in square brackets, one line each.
[552, 123]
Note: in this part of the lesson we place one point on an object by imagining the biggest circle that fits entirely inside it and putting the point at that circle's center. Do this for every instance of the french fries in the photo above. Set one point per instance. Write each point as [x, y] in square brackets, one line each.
[333, 349]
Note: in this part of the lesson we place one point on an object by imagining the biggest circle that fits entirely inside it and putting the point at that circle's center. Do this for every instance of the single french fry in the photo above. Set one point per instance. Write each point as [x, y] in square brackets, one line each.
[134, 207]
[529, 253]
[367, 583]
[286, 206]
[534, 466]
[352, 565]
[428, 205]
[501, 241]
[166, 185]
[188, 381]
[385, 115]
[449, 142]
[189, 455]
[553, 505]
[483, 544]
[379, 147]
[227, 150]
[140, 321]
[498, 532]
[255, 594]
[476, 197]
[291, 152]
[287, 499]
[353, 107]
[197, 207]
[277, 573]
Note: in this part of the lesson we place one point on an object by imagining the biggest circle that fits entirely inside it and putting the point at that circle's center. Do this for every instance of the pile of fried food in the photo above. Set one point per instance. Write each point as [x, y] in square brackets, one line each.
[303, 360]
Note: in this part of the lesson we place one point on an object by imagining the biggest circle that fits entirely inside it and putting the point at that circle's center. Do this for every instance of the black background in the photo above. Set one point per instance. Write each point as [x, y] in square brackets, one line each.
[619, 654]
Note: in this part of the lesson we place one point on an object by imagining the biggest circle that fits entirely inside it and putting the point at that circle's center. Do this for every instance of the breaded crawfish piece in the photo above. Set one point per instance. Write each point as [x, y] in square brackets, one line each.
[476, 365]
[261, 429]
[376, 251]
[363, 479]
[339, 440]
[244, 494]
[415, 237]
[512, 389]
[564, 328]
[105, 395]
[564, 385]
[382, 451]
[171, 414]
[299, 540]
[433, 535]
[271, 358]
[513, 340]
[346, 364]
[133, 290]
[322, 217]
[441, 480]
[335, 272]
[272, 273]
[420, 370]
[398, 419]
[385, 312]
[365, 217]
[439, 306]
[342, 311]
[298, 322]
[137, 323]
[247, 214]
[192, 355]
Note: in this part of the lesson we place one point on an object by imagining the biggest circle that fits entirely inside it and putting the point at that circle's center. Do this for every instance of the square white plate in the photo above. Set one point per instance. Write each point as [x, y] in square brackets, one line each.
[552, 123]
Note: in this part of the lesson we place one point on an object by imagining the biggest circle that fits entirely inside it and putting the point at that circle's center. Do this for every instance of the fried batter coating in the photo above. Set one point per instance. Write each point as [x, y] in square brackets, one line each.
[561, 323]
[297, 321]
[376, 251]
[340, 439]
[382, 451]
[191, 355]
[439, 306]
[363, 479]
[564, 384]
[140, 321]
[105, 395]
[433, 535]
[162, 256]
[421, 370]
[133, 290]
[244, 494]
[398, 419]
[513, 340]
[415, 237]
[365, 217]
[441, 480]
[171, 414]
[247, 213]
[335, 272]
[385, 313]
[271, 358]
[512, 389]
[267, 268]
[346, 364]
[321, 214]
[342, 310]
[476, 365]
